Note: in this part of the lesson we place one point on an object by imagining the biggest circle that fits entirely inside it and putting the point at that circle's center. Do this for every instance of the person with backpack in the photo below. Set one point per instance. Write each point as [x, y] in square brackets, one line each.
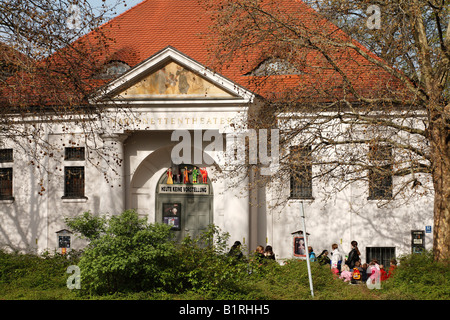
[353, 255]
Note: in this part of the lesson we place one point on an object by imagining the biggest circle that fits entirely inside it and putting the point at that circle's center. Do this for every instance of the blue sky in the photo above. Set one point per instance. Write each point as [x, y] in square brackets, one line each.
[119, 5]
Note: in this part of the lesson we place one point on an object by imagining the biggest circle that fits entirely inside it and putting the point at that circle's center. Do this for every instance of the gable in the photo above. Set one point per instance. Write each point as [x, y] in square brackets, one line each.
[171, 77]
[174, 81]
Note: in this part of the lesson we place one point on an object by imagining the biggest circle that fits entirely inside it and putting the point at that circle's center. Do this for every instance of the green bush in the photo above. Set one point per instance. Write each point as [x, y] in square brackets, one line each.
[129, 255]
[33, 271]
[418, 276]
[205, 268]
[89, 226]
[126, 254]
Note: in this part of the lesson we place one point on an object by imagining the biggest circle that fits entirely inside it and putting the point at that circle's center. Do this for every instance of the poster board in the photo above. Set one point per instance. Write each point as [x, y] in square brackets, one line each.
[417, 241]
[299, 246]
[172, 215]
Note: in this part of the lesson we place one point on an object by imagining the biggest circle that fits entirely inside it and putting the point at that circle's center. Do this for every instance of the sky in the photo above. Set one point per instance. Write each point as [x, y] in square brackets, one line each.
[120, 5]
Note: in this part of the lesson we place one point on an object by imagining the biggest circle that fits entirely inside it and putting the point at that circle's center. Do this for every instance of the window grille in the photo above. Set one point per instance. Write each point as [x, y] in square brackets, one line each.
[382, 254]
[301, 176]
[6, 183]
[380, 175]
[74, 182]
[6, 155]
[74, 154]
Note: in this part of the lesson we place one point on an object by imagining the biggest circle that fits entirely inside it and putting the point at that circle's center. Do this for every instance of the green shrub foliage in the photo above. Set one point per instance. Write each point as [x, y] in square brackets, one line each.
[128, 258]
[129, 255]
[419, 275]
[30, 271]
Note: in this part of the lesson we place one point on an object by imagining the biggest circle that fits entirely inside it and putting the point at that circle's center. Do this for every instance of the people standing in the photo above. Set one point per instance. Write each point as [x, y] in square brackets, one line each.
[312, 255]
[353, 255]
[336, 258]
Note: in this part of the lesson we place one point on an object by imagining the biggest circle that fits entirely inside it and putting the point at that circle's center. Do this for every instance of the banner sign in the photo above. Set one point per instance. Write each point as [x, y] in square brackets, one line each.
[200, 189]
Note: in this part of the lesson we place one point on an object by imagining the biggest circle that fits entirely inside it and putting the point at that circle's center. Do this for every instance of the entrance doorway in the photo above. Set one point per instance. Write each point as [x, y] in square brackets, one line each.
[183, 203]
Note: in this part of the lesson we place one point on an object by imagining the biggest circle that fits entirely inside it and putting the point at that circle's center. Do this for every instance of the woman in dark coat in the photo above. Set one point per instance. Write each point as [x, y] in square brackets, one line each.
[353, 255]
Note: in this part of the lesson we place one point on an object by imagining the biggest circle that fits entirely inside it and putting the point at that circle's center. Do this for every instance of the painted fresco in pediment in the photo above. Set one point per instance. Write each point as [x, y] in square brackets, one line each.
[174, 81]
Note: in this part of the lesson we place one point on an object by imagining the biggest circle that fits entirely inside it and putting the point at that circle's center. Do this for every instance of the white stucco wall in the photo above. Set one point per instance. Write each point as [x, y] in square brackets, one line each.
[348, 216]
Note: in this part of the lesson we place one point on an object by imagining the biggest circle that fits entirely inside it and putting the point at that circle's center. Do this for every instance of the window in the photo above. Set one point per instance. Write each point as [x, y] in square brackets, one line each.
[113, 69]
[6, 175]
[73, 182]
[380, 174]
[74, 154]
[6, 184]
[74, 176]
[274, 66]
[382, 254]
[6, 155]
[301, 176]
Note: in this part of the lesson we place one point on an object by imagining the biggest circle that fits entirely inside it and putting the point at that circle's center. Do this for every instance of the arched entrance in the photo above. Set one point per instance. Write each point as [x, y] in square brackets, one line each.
[186, 205]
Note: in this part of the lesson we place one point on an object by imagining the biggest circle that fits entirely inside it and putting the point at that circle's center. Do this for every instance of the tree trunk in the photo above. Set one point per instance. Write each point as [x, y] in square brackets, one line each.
[441, 244]
[440, 141]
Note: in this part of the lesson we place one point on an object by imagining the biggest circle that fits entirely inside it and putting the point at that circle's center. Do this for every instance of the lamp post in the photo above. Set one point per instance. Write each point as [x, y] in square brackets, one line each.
[307, 255]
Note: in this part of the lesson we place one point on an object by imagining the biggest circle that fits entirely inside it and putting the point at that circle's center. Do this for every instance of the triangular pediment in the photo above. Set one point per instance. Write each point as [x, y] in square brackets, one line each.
[174, 81]
[170, 76]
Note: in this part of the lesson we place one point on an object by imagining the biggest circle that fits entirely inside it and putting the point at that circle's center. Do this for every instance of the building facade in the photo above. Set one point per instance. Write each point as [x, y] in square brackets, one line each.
[160, 118]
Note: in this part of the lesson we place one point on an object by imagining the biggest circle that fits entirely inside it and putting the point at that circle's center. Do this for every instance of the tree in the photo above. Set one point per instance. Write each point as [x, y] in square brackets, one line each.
[49, 69]
[368, 115]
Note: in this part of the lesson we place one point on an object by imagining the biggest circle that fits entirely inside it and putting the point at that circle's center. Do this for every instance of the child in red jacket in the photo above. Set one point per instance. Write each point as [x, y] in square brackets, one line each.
[383, 273]
[392, 267]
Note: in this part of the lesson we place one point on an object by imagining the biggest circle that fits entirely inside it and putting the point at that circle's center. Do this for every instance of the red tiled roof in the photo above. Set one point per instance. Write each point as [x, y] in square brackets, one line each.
[153, 25]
